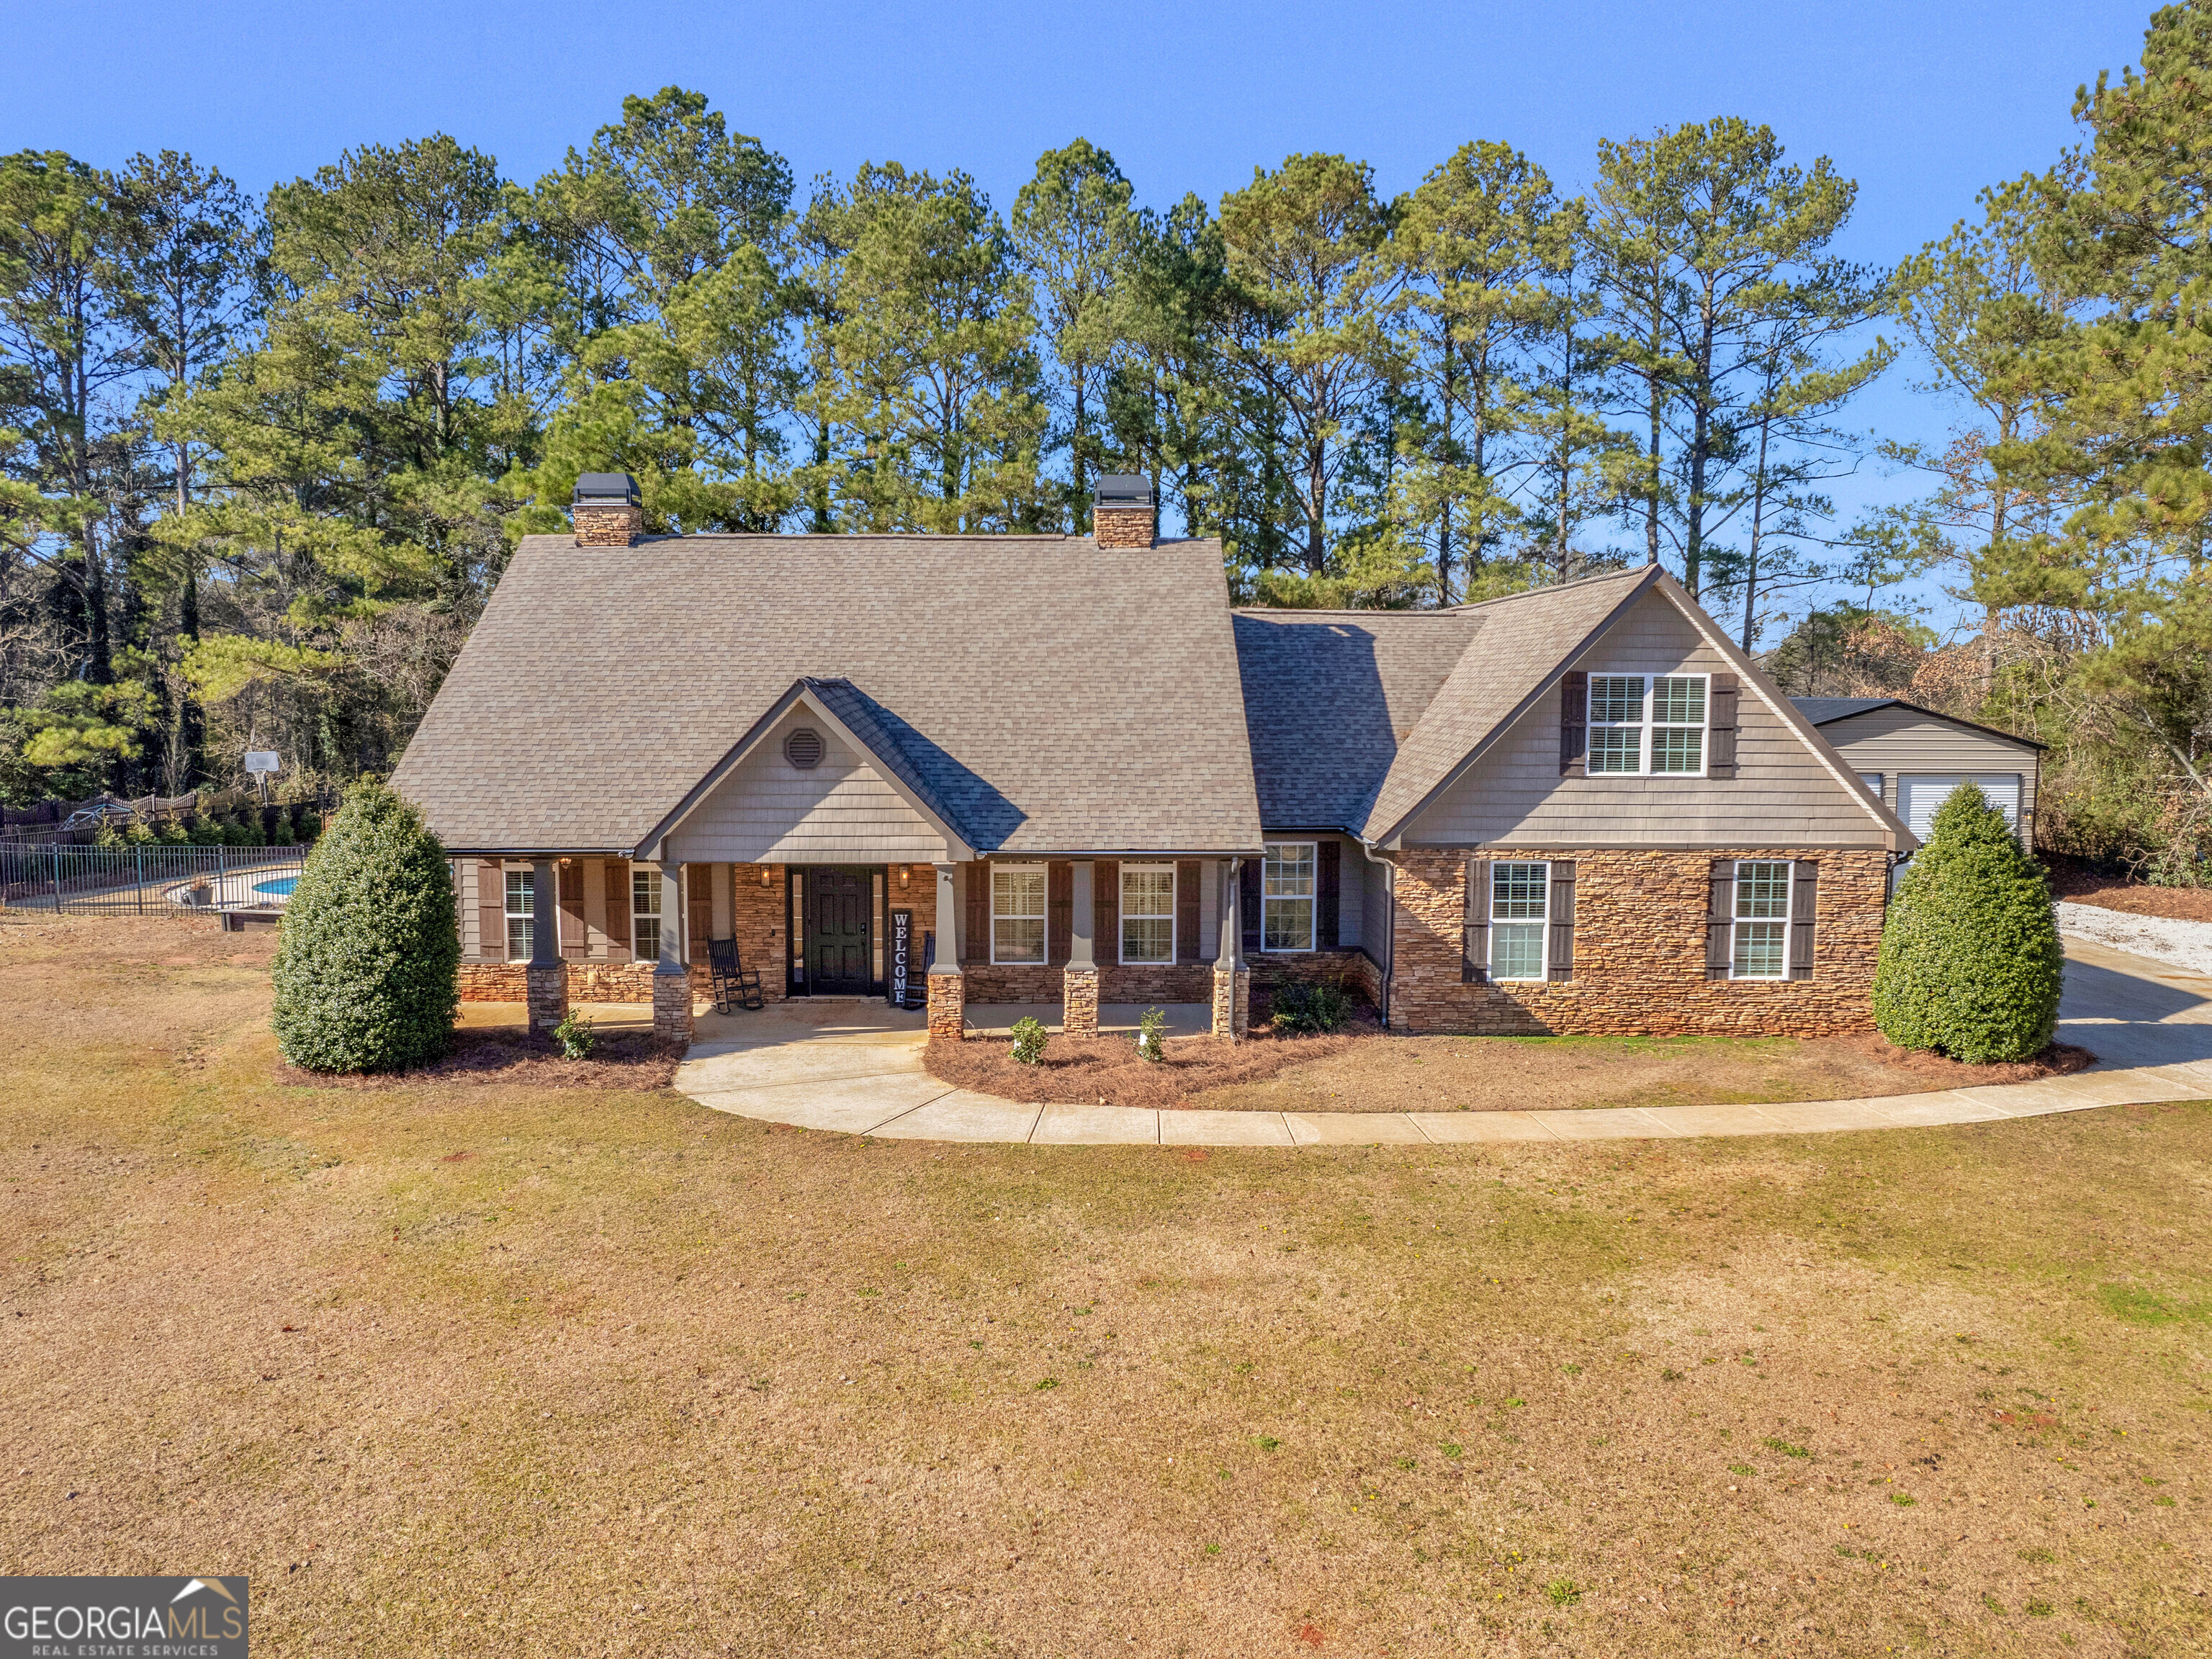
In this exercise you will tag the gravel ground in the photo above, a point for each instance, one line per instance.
(2166, 938)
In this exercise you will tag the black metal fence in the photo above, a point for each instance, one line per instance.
(151, 879)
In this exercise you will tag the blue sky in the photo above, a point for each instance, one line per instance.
(1923, 104)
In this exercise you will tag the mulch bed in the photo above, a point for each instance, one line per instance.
(1107, 1071)
(2078, 883)
(2057, 1060)
(636, 1060)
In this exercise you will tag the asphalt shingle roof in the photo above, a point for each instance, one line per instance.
(1329, 696)
(1053, 694)
(1523, 640)
(1821, 710)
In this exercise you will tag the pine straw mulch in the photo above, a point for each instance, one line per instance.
(2078, 882)
(2058, 1060)
(631, 1061)
(1108, 1072)
(1365, 1070)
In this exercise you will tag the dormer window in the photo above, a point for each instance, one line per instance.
(1648, 726)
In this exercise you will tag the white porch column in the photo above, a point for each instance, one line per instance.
(545, 981)
(1232, 979)
(671, 980)
(1078, 981)
(948, 986)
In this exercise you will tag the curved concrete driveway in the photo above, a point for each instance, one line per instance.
(856, 1068)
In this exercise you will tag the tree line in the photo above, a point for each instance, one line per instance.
(262, 461)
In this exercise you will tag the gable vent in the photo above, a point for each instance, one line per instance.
(802, 749)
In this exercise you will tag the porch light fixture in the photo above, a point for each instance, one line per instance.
(764, 875)
(905, 871)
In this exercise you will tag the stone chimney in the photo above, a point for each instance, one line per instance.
(606, 511)
(1124, 515)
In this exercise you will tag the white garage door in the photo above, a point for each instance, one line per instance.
(1918, 797)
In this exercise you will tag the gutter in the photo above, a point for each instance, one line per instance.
(1390, 924)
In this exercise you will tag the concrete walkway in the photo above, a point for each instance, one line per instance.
(855, 1068)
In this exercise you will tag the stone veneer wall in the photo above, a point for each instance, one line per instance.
(1639, 951)
(1166, 981)
(1349, 967)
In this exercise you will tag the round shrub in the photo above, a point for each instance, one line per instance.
(367, 975)
(1970, 961)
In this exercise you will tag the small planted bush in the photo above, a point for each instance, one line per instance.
(367, 963)
(1030, 1038)
(1971, 960)
(576, 1035)
(1303, 1009)
(1151, 1035)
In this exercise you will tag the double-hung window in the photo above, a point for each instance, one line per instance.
(521, 905)
(1519, 919)
(1648, 726)
(1018, 897)
(645, 912)
(1760, 949)
(1287, 897)
(1148, 905)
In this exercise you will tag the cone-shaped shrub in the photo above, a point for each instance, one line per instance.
(1970, 954)
(368, 963)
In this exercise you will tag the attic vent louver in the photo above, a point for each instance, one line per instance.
(802, 749)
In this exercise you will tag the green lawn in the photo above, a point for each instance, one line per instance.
(479, 1370)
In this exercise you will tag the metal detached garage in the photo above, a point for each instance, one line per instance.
(1912, 757)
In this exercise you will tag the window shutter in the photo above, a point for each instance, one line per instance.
(1562, 954)
(1474, 928)
(979, 912)
(1106, 910)
(1803, 891)
(1720, 920)
(1720, 735)
(572, 910)
(1574, 722)
(1247, 895)
(1185, 910)
(699, 906)
(1059, 912)
(618, 940)
(1328, 875)
(491, 911)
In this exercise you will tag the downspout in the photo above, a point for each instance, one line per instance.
(1389, 923)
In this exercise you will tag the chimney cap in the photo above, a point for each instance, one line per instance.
(594, 487)
(1124, 489)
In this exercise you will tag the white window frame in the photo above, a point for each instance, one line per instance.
(644, 878)
(1312, 895)
(1124, 915)
(1738, 922)
(1543, 923)
(1042, 918)
(1648, 728)
(527, 915)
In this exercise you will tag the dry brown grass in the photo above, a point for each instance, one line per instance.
(479, 1370)
(510, 1056)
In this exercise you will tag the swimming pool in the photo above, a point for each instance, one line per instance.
(278, 887)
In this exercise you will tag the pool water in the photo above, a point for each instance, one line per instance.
(277, 887)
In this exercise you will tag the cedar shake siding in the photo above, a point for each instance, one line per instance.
(1782, 794)
(1643, 942)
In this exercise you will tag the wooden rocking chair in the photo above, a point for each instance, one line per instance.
(735, 985)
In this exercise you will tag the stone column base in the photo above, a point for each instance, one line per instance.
(546, 995)
(672, 1006)
(948, 1007)
(1232, 1004)
(1079, 1002)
